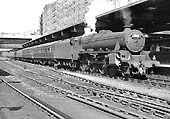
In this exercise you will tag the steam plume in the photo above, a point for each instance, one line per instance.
(127, 18)
(97, 7)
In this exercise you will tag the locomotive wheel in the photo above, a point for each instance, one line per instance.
(84, 67)
(92, 69)
(138, 75)
(102, 70)
(125, 69)
(143, 77)
(113, 71)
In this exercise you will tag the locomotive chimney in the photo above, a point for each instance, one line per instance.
(127, 28)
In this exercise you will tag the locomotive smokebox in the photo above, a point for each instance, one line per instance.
(134, 39)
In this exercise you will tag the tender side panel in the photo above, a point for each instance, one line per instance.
(62, 50)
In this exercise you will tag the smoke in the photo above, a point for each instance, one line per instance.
(126, 15)
(97, 7)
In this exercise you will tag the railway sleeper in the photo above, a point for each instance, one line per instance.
(134, 106)
(163, 85)
(117, 100)
(101, 95)
(105, 86)
(108, 87)
(154, 84)
(91, 100)
(146, 82)
(108, 97)
(123, 102)
(149, 111)
(160, 114)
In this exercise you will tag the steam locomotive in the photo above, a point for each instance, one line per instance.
(109, 53)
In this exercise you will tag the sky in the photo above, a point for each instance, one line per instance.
(20, 15)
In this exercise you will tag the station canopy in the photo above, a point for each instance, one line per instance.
(146, 15)
(13, 40)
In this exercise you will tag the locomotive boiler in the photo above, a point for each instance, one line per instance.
(132, 40)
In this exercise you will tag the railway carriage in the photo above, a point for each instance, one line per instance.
(18, 55)
(27, 54)
(58, 53)
(8, 54)
(43, 53)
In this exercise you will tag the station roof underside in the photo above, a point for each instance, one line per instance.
(146, 15)
(7, 40)
(72, 31)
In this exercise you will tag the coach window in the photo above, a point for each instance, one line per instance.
(45, 50)
(48, 50)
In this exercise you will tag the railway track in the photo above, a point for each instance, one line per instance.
(125, 97)
(156, 81)
(110, 99)
(159, 81)
(43, 86)
(121, 91)
(49, 110)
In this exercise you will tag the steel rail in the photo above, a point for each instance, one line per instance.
(122, 113)
(38, 103)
